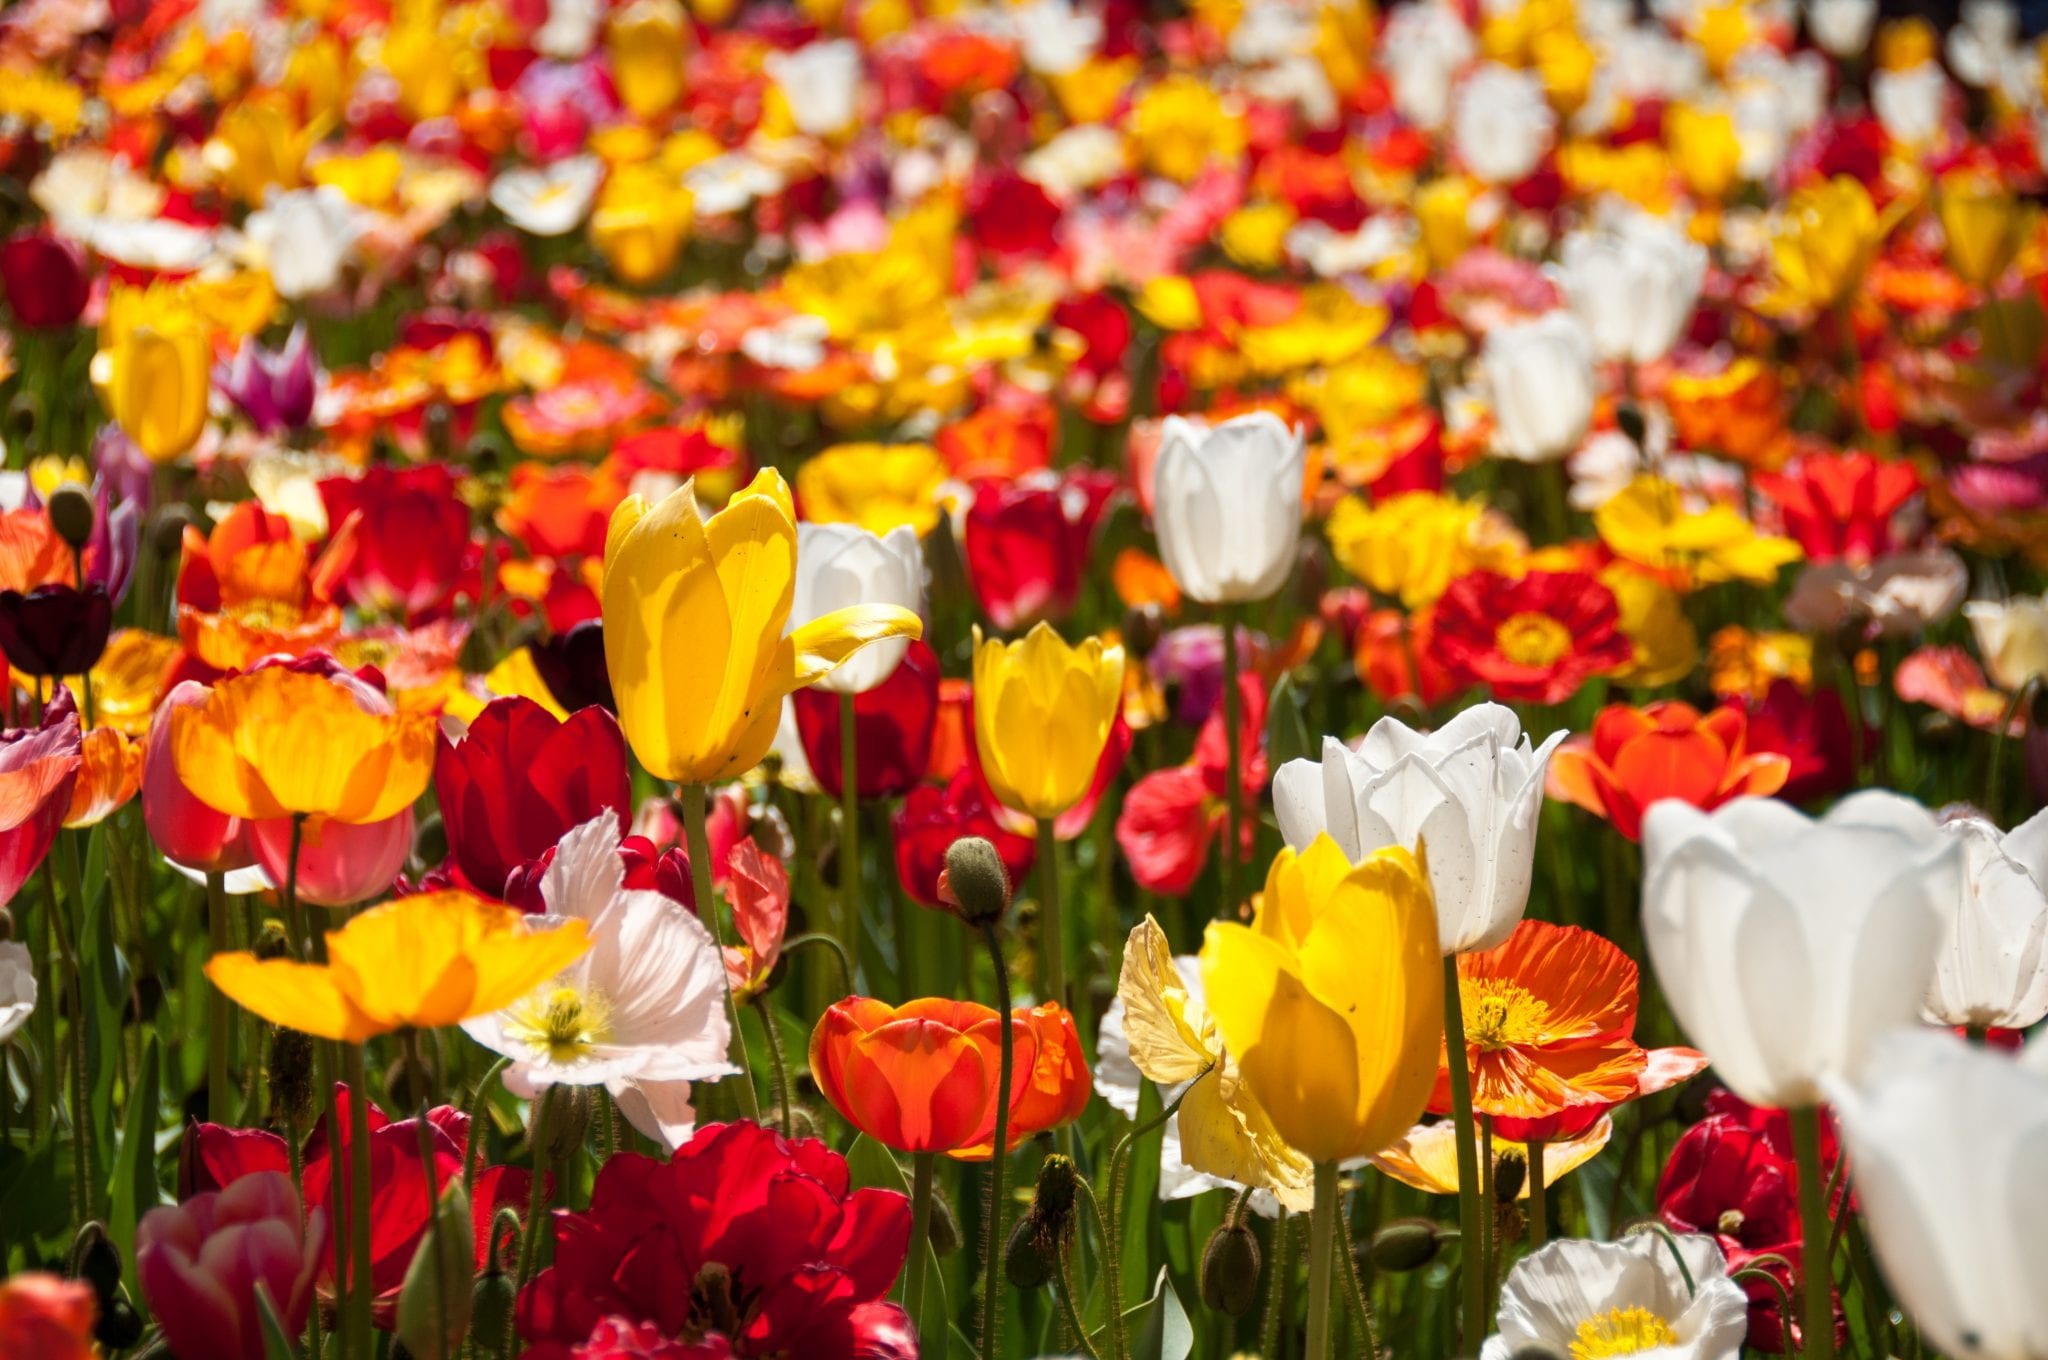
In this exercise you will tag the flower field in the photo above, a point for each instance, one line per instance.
(869, 679)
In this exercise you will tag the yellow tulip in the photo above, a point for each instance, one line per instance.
(694, 611)
(153, 371)
(1705, 148)
(876, 486)
(1826, 237)
(1443, 214)
(640, 221)
(1415, 544)
(1180, 127)
(420, 962)
(1042, 714)
(646, 43)
(1332, 999)
(277, 743)
(1984, 223)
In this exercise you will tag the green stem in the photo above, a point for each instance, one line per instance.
(536, 1209)
(220, 1011)
(1470, 1230)
(999, 1150)
(1276, 1289)
(360, 1288)
(1052, 937)
(409, 1041)
(849, 830)
(1322, 1224)
(1361, 1307)
(1817, 1315)
(821, 940)
(1233, 719)
(1539, 1197)
(920, 1235)
(473, 1154)
(1063, 1287)
(81, 1117)
(1489, 1206)
(1110, 1231)
(779, 1062)
(695, 799)
(1993, 784)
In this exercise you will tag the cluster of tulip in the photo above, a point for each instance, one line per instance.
(854, 679)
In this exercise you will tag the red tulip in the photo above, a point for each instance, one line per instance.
(38, 769)
(1170, 816)
(46, 279)
(340, 863)
(932, 818)
(47, 1317)
(892, 725)
(200, 1264)
(186, 830)
(1027, 542)
(411, 539)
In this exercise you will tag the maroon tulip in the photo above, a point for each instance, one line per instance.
(55, 630)
(571, 663)
(519, 781)
(200, 1264)
(932, 818)
(1026, 544)
(38, 770)
(411, 539)
(892, 728)
(46, 280)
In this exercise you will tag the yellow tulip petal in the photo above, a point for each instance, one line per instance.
(300, 996)
(818, 647)
(753, 544)
(666, 631)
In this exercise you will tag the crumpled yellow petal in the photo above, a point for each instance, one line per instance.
(1225, 1132)
(1427, 1157)
(1167, 1028)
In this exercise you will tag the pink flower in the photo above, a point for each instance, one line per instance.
(200, 1264)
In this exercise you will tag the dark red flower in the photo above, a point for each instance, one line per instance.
(46, 279)
(892, 728)
(932, 818)
(1840, 505)
(411, 541)
(55, 630)
(519, 781)
(1812, 732)
(1170, 816)
(1027, 542)
(744, 1238)
(1534, 638)
(572, 664)
(1011, 215)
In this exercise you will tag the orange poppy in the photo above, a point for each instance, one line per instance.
(1055, 1091)
(109, 773)
(919, 1077)
(1665, 750)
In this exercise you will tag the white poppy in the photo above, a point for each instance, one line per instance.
(549, 200)
(1635, 1296)
(17, 987)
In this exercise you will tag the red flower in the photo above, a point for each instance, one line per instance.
(1840, 505)
(932, 818)
(46, 280)
(38, 770)
(216, 1156)
(201, 1262)
(892, 728)
(1536, 638)
(1667, 749)
(411, 541)
(1026, 544)
(1812, 732)
(1011, 215)
(519, 781)
(744, 1244)
(1170, 816)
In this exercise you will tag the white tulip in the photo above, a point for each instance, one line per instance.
(1057, 38)
(821, 83)
(839, 565)
(1910, 103)
(550, 200)
(1993, 965)
(1226, 503)
(1424, 48)
(1501, 123)
(642, 1014)
(1577, 1297)
(1541, 376)
(1841, 28)
(2012, 637)
(1634, 284)
(305, 235)
(1979, 48)
(570, 31)
(1785, 945)
(1472, 790)
(17, 987)
(1949, 1149)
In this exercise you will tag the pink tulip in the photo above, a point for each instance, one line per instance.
(186, 830)
(339, 864)
(200, 1264)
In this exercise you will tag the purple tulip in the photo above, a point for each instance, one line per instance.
(274, 388)
(201, 1263)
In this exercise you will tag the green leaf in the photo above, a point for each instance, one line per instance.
(870, 1165)
(434, 1303)
(276, 1345)
(134, 1189)
(1287, 735)
(1141, 1200)
(1159, 1328)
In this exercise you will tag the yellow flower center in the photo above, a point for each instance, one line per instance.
(1501, 1014)
(1621, 1331)
(560, 1024)
(1730, 1222)
(1532, 639)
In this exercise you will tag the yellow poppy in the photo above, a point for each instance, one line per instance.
(694, 611)
(1427, 1157)
(420, 962)
(1648, 523)
(1042, 714)
(1332, 999)
(109, 773)
(876, 486)
(1415, 544)
(1826, 237)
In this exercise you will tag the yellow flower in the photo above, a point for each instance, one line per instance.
(259, 145)
(645, 39)
(1181, 127)
(1742, 664)
(694, 611)
(1427, 1158)
(1255, 236)
(1443, 215)
(278, 743)
(370, 177)
(421, 962)
(1984, 223)
(640, 221)
(1223, 1130)
(153, 370)
(1332, 999)
(1705, 148)
(109, 773)
(1412, 546)
(1331, 327)
(1653, 618)
(876, 486)
(1647, 523)
(128, 678)
(1826, 236)
(1042, 714)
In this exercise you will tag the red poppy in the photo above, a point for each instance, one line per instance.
(216, 1156)
(519, 781)
(932, 818)
(410, 542)
(744, 1244)
(45, 278)
(892, 727)
(1169, 817)
(1027, 543)
(1812, 732)
(1011, 215)
(1535, 638)
(1840, 505)
(38, 771)
(1665, 750)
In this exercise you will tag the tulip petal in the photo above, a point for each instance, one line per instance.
(822, 644)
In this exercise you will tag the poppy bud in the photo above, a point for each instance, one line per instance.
(1405, 1244)
(944, 1228)
(491, 1301)
(1142, 626)
(119, 1326)
(976, 882)
(1028, 1258)
(434, 1309)
(560, 1118)
(1510, 1174)
(71, 514)
(94, 1260)
(271, 941)
(1629, 417)
(1054, 1200)
(1230, 1269)
(291, 1077)
(167, 525)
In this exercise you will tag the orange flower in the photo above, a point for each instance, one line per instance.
(252, 588)
(109, 773)
(1739, 411)
(918, 1077)
(1056, 1089)
(561, 510)
(31, 554)
(46, 1317)
(1666, 750)
(1141, 579)
(1550, 1015)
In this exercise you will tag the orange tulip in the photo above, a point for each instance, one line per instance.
(1055, 1090)
(919, 1077)
(1665, 750)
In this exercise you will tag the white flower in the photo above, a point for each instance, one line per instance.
(1541, 376)
(1841, 28)
(821, 83)
(1634, 284)
(1576, 1297)
(838, 565)
(795, 343)
(155, 244)
(548, 200)
(1472, 790)
(1950, 1149)
(1057, 38)
(1502, 124)
(1980, 47)
(1226, 503)
(2012, 637)
(570, 30)
(726, 184)
(17, 988)
(642, 1014)
(1897, 596)
(1910, 103)
(1424, 47)
(1993, 965)
(304, 236)
(1076, 159)
(1785, 945)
